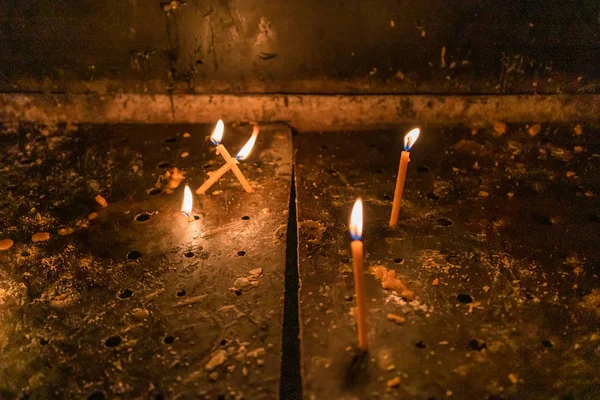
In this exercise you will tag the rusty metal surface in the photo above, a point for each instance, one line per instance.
(136, 301)
(498, 239)
(234, 46)
(303, 112)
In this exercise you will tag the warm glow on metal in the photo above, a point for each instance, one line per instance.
(245, 151)
(411, 138)
(186, 208)
(217, 134)
(356, 220)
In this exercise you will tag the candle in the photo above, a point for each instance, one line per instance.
(233, 165)
(356, 223)
(230, 162)
(409, 140)
(215, 176)
(186, 207)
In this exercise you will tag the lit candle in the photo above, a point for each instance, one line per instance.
(409, 140)
(231, 162)
(356, 223)
(186, 207)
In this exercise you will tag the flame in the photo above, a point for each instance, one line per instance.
(356, 220)
(186, 208)
(411, 138)
(245, 151)
(217, 134)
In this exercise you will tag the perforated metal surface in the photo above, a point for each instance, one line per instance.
(498, 238)
(137, 301)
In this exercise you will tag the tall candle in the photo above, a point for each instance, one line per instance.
(409, 140)
(356, 223)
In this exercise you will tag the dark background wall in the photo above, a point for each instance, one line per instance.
(312, 46)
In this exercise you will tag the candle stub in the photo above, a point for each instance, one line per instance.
(40, 237)
(101, 200)
(396, 318)
(65, 231)
(6, 244)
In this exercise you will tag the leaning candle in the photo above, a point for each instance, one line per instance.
(223, 152)
(231, 162)
(233, 165)
(409, 140)
(356, 223)
(215, 176)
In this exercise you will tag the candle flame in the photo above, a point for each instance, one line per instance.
(411, 138)
(245, 151)
(356, 220)
(186, 208)
(217, 134)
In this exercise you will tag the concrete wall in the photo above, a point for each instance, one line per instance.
(309, 46)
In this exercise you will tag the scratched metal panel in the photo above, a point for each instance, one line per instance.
(135, 302)
(497, 238)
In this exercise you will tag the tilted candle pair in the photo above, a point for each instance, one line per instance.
(230, 162)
